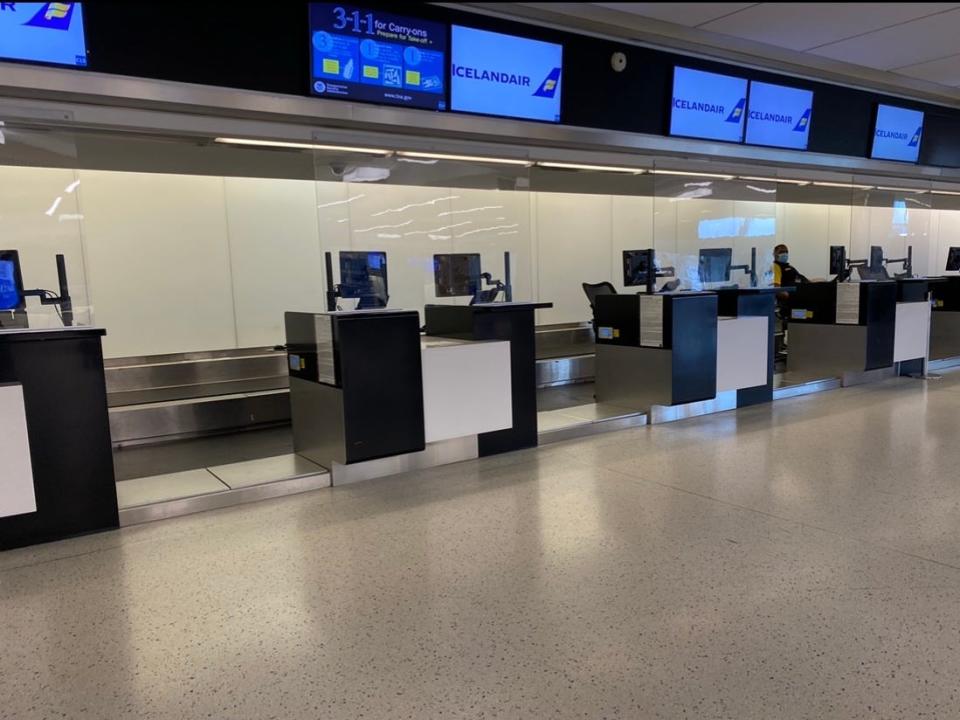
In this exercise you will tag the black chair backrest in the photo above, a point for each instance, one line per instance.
(592, 290)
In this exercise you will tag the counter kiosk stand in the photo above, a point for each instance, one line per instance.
(56, 469)
(842, 330)
(945, 320)
(656, 349)
(741, 337)
(506, 321)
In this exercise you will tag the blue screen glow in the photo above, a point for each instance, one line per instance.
(362, 54)
(10, 298)
(707, 105)
(779, 116)
(43, 32)
(897, 134)
(496, 74)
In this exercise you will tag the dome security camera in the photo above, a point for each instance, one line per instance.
(618, 61)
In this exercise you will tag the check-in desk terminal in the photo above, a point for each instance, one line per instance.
(945, 320)
(745, 343)
(513, 322)
(355, 385)
(836, 329)
(656, 349)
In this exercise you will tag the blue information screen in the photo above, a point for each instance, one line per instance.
(779, 116)
(707, 105)
(897, 134)
(362, 54)
(43, 32)
(10, 297)
(496, 74)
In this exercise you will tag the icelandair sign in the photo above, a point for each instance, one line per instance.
(779, 116)
(707, 105)
(496, 74)
(897, 134)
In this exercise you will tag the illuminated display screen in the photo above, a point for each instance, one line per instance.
(706, 105)
(361, 54)
(897, 134)
(43, 32)
(496, 74)
(779, 116)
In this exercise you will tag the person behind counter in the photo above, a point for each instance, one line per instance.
(785, 274)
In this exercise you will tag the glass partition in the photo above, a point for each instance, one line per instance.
(40, 219)
(178, 245)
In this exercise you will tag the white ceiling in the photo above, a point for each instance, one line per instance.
(917, 40)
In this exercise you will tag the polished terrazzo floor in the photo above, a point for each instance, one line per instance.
(794, 561)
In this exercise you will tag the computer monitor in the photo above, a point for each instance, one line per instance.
(363, 275)
(715, 264)
(953, 259)
(11, 281)
(456, 274)
(636, 267)
(838, 260)
(876, 258)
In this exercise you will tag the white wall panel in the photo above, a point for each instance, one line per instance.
(574, 246)
(159, 262)
(275, 255)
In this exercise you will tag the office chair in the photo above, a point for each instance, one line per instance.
(594, 290)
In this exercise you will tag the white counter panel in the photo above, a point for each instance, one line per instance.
(911, 338)
(743, 345)
(466, 388)
(16, 480)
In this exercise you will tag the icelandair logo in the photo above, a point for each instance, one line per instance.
(801, 125)
(914, 139)
(735, 115)
(495, 76)
(53, 16)
(548, 88)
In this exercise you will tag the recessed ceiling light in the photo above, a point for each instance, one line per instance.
(692, 174)
(851, 186)
(901, 189)
(301, 146)
(463, 158)
(774, 180)
(945, 192)
(598, 168)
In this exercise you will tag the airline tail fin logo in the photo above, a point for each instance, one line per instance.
(548, 88)
(736, 115)
(804, 122)
(53, 16)
(915, 140)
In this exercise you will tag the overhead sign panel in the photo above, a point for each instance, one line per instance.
(707, 105)
(43, 32)
(496, 74)
(897, 134)
(779, 116)
(362, 54)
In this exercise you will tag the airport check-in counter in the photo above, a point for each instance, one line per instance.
(911, 344)
(945, 319)
(56, 462)
(370, 396)
(515, 324)
(841, 329)
(745, 343)
(656, 350)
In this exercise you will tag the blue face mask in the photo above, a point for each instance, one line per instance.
(783, 258)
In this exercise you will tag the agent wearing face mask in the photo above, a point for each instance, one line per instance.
(785, 274)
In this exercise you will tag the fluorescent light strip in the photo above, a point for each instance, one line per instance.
(599, 168)
(945, 192)
(849, 186)
(692, 174)
(301, 146)
(901, 189)
(774, 180)
(464, 158)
